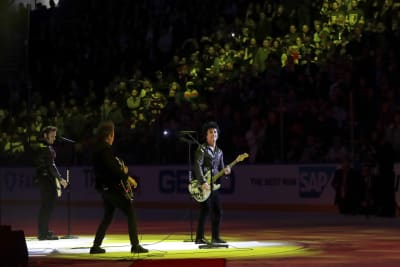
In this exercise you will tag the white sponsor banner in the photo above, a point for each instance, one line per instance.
(282, 184)
(248, 184)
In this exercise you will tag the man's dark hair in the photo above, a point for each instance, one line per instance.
(104, 129)
(48, 129)
(207, 126)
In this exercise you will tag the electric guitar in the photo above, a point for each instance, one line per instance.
(201, 195)
(125, 186)
(58, 184)
(58, 187)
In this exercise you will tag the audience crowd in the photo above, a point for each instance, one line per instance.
(288, 81)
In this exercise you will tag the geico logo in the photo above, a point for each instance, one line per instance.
(173, 181)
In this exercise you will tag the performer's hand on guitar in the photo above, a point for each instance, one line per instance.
(205, 186)
(125, 169)
(63, 182)
(227, 170)
(132, 182)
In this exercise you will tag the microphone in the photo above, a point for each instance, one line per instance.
(185, 139)
(66, 139)
(186, 136)
(187, 132)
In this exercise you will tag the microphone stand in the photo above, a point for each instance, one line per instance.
(68, 191)
(189, 139)
(68, 235)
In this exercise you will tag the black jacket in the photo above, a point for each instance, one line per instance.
(206, 160)
(107, 170)
(46, 169)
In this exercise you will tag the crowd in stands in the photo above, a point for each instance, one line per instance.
(287, 81)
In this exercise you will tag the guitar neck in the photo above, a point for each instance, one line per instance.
(221, 172)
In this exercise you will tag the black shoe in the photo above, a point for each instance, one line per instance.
(138, 249)
(97, 250)
(48, 237)
(201, 241)
(218, 240)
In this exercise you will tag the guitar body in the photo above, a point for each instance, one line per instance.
(201, 195)
(58, 184)
(58, 187)
(125, 188)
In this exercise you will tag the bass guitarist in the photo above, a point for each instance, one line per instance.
(209, 158)
(110, 178)
(49, 181)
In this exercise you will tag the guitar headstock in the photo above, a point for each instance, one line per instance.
(241, 157)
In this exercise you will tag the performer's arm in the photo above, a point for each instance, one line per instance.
(198, 165)
(227, 169)
(45, 164)
(56, 173)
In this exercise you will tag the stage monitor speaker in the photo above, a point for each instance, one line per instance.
(13, 249)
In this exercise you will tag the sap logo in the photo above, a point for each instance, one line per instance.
(176, 181)
(313, 180)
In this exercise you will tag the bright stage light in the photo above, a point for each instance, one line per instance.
(173, 248)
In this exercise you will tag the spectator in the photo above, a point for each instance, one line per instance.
(347, 185)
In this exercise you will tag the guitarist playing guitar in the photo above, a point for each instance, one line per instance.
(110, 174)
(49, 181)
(209, 157)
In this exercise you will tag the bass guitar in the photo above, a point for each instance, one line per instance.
(125, 187)
(58, 187)
(58, 184)
(201, 195)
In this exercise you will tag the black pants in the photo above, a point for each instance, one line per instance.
(210, 206)
(111, 201)
(48, 198)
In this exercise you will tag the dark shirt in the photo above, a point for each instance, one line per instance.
(107, 170)
(46, 169)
